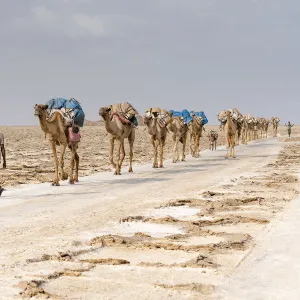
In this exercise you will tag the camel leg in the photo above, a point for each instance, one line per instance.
(161, 154)
(192, 144)
(232, 150)
(175, 149)
(122, 155)
(131, 139)
(55, 160)
(76, 166)
(118, 168)
(63, 174)
(183, 148)
(72, 164)
(4, 156)
(111, 151)
(232, 145)
(153, 142)
(227, 146)
(198, 146)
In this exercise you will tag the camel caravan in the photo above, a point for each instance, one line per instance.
(61, 119)
(244, 127)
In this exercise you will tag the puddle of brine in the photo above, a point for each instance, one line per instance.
(177, 212)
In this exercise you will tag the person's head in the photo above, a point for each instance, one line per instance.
(289, 122)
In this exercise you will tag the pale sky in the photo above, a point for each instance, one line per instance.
(195, 54)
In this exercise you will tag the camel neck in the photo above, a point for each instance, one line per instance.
(43, 122)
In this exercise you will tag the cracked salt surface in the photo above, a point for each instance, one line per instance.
(154, 230)
(177, 212)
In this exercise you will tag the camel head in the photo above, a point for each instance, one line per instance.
(228, 113)
(39, 109)
(104, 113)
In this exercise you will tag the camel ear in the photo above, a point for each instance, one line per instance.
(46, 106)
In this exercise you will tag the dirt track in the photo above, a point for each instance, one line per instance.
(175, 233)
(29, 159)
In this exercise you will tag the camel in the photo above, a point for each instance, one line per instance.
(239, 122)
(2, 150)
(251, 127)
(179, 130)
(119, 129)
(213, 138)
(230, 129)
(56, 133)
(195, 128)
(157, 121)
(266, 127)
(275, 121)
(244, 132)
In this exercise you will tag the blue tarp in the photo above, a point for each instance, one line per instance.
(202, 115)
(72, 105)
(185, 115)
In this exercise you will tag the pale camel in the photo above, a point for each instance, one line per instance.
(180, 131)
(213, 138)
(250, 127)
(156, 121)
(56, 133)
(239, 122)
(244, 132)
(119, 129)
(230, 129)
(3, 152)
(266, 127)
(259, 128)
(275, 121)
(195, 128)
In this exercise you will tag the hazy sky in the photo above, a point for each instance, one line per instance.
(196, 54)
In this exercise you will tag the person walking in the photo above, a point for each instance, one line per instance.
(289, 128)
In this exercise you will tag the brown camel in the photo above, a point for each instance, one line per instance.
(266, 127)
(230, 129)
(238, 117)
(157, 121)
(244, 132)
(119, 129)
(195, 129)
(179, 130)
(275, 121)
(57, 134)
(2, 150)
(213, 138)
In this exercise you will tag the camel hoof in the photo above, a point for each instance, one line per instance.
(55, 184)
(161, 166)
(130, 171)
(71, 181)
(4, 166)
(154, 166)
(76, 180)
